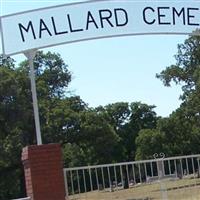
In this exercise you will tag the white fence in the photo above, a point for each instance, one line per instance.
(113, 177)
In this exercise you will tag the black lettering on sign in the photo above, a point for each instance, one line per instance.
(122, 11)
(90, 19)
(190, 16)
(70, 25)
(43, 27)
(175, 13)
(55, 29)
(162, 15)
(145, 15)
(26, 29)
(105, 17)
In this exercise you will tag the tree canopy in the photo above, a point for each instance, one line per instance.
(117, 132)
(180, 132)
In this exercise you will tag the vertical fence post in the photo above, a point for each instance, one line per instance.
(115, 174)
(77, 174)
(198, 167)
(103, 178)
(169, 166)
(91, 183)
(187, 166)
(122, 178)
(161, 173)
(97, 179)
(85, 187)
(140, 172)
(65, 181)
(175, 166)
(151, 169)
(72, 182)
(127, 173)
(133, 168)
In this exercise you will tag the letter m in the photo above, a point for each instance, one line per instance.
(26, 29)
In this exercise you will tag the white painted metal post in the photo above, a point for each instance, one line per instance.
(175, 168)
(90, 175)
(115, 174)
(72, 182)
(66, 183)
(145, 170)
(169, 166)
(84, 181)
(122, 179)
(79, 190)
(109, 179)
(182, 173)
(161, 173)
(30, 56)
(127, 173)
(163, 167)
(97, 178)
(151, 169)
(193, 169)
(198, 167)
(103, 178)
(140, 173)
(134, 173)
(188, 172)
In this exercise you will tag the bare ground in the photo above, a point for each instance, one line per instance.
(184, 189)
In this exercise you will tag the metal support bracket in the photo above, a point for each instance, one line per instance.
(30, 56)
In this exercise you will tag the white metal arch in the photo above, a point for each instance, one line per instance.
(25, 32)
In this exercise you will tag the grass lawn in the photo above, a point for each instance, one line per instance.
(184, 189)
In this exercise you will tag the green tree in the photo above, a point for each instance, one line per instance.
(97, 138)
(187, 69)
(117, 115)
(16, 113)
(10, 132)
(183, 126)
(149, 142)
(142, 117)
(86, 136)
(127, 120)
(181, 133)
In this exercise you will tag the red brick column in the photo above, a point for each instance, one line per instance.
(43, 169)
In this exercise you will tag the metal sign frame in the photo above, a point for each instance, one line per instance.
(118, 34)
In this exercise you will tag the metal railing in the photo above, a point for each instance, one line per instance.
(112, 177)
(26, 198)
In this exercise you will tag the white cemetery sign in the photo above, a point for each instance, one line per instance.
(75, 22)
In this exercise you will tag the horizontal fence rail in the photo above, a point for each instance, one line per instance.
(118, 176)
(26, 198)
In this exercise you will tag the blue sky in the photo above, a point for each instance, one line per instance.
(117, 69)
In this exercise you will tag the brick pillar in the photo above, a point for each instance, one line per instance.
(43, 169)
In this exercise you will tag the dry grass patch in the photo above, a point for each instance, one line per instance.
(184, 189)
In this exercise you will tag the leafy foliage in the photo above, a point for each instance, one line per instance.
(182, 128)
(117, 132)
(155, 141)
(187, 69)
